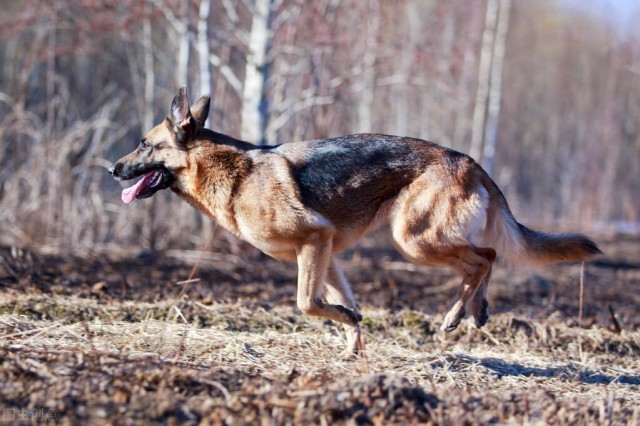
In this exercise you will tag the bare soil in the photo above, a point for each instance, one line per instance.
(121, 338)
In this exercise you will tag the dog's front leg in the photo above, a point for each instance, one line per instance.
(338, 291)
(314, 258)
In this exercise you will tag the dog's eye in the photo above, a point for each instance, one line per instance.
(144, 145)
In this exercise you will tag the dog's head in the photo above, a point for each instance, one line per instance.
(162, 152)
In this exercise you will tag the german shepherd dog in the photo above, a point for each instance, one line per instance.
(306, 201)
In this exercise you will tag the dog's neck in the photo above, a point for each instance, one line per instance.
(211, 179)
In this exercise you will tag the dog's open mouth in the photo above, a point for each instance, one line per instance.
(145, 187)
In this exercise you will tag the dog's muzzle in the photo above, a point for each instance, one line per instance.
(115, 171)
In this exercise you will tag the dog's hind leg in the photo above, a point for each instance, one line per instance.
(479, 303)
(474, 264)
(314, 260)
(338, 291)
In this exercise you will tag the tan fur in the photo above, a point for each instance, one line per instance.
(441, 207)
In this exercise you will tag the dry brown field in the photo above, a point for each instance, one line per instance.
(121, 338)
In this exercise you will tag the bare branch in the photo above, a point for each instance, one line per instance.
(178, 24)
(230, 11)
(227, 73)
(276, 5)
(289, 112)
(284, 15)
(484, 74)
(395, 79)
(250, 5)
(289, 50)
(242, 36)
(203, 46)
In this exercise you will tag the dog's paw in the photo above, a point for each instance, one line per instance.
(481, 315)
(452, 320)
(353, 316)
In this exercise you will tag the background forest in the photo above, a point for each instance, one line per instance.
(544, 93)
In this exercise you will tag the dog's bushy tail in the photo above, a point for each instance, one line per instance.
(547, 248)
(518, 244)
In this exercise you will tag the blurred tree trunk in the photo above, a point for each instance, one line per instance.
(182, 70)
(365, 107)
(402, 92)
(182, 34)
(484, 75)
(435, 118)
(254, 103)
(54, 198)
(610, 130)
(465, 40)
(149, 71)
(495, 89)
(148, 116)
(204, 80)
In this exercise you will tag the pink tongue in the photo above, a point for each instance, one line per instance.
(130, 194)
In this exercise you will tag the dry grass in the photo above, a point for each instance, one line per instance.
(101, 351)
(143, 362)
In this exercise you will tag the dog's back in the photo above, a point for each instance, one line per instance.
(349, 179)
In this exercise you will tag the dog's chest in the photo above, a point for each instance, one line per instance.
(278, 248)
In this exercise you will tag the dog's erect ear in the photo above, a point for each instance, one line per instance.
(200, 110)
(180, 113)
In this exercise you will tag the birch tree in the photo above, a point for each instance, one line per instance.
(484, 75)
(149, 70)
(204, 77)
(495, 88)
(368, 75)
(260, 118)
(251, 90)
(254, 106)
(402, 92)
(181, 34)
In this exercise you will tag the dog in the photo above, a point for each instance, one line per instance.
(306, 201)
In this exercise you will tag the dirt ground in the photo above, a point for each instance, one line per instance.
(127, 338)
